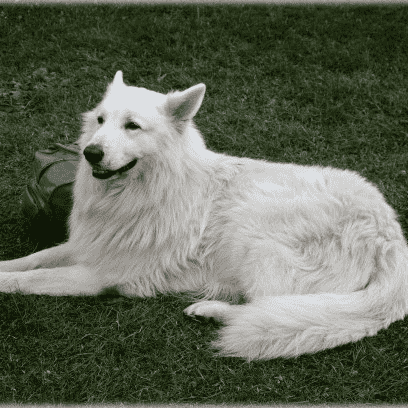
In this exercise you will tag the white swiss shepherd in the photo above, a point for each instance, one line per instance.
(317, 253)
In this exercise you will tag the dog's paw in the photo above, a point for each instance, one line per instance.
(209, 309)
(13, 265)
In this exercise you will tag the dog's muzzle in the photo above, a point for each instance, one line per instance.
(94, 155)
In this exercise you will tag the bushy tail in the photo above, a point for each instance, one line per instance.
(287, 326)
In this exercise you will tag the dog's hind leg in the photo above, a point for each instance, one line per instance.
(58, 256)
(61, 281)
(212, 309)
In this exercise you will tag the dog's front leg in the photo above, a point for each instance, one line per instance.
(68, 280)
(60, 255)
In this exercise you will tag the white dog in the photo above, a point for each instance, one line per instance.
(317, 253)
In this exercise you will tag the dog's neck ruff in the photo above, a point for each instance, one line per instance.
(105, 174)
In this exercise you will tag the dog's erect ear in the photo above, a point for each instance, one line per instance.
(184, 105)
(118, 80)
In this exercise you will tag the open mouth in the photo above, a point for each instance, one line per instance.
(105, 174)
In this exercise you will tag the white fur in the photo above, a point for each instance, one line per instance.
(317, 253)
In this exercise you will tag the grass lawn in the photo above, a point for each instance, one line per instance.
(303, 84)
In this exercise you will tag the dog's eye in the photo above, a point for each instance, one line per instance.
(100, 120)
(132, 126)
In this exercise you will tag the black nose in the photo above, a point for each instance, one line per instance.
(93, 153)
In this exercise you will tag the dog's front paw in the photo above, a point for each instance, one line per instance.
(8, 266)
(209, 309)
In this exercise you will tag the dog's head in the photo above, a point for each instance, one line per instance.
(132, 123)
